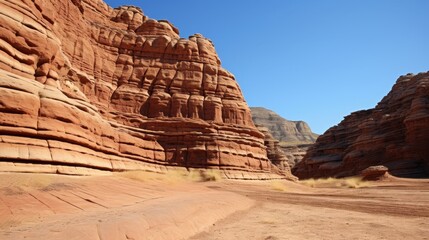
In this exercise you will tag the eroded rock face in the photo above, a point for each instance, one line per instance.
(276, 155)
(85, 85)
(394, 134)
(282, 129)
(295, 137)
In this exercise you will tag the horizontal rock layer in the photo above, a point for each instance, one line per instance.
(276, 155)
(85, 85)
(394, 134)
(295, 137)
(286, 131)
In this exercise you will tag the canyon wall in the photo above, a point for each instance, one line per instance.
(84, 87)
(294, 137)
(394, 134)
(276, 155)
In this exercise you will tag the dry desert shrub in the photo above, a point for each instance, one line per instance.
(140, 175)
(193, 175)
(349, 182)
(356, 182)
(269, 220)
(277, 186)
(206, 175)
(175, 175)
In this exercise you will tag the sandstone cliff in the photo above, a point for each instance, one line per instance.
(87, 87)
(295, 137)
(276, 155)
(395, 134)
(292, 132)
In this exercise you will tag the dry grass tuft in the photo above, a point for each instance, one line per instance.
(278, 186)
(141, 176)
(19, 183)
(355, 182)
(269, 221)
(206, 175)
(349, 182)
(175, 176)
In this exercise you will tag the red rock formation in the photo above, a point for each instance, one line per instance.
(85, 85)
(394, 134)
(374, 173)
(276, 155)
(295, 137)
(286, 131)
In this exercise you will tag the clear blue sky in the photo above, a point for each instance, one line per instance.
(315, 61)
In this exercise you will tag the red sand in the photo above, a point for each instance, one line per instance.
(36, 206)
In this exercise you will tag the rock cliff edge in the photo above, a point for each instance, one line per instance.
(394, 134)
(85, 87)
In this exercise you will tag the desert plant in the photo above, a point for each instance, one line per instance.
(137, 175)
(349, 182)
(174, 175)
(23, 182)
(277, 186)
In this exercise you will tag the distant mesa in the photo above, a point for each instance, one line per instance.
(294, 137)
(393, 135)
(282, 129)
(86, 88)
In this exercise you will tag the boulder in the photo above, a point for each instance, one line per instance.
(374, 173)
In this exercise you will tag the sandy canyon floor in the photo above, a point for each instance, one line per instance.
(151, 206)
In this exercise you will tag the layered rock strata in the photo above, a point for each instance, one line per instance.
(84, 86)
(394, 134)
(282, 129)
(275, 154)
(295, 152)
(294, 137)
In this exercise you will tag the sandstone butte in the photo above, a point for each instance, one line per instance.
(85, 88)
(293, 137)
(274, 152)
(394, 134)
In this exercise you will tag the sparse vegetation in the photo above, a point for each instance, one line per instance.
(207, 175)
(19, 183)
(349, 182)
(141, 176)
(269, 221)
(278, 185)
(174, 176)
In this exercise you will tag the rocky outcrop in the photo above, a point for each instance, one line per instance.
(374, 173)
(282, 129)
(295, 153)
(295, 137)
(394, 134)
(276, 155)
(84, 86)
